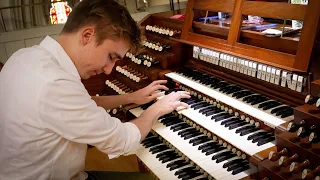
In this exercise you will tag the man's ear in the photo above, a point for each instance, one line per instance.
(87, 35)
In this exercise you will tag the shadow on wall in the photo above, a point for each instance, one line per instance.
(1, 65)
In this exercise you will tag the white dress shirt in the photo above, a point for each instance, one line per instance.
(47, 118)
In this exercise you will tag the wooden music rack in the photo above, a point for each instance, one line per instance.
(297, 59)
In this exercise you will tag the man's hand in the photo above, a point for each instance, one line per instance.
(147, 94)
(170, 102)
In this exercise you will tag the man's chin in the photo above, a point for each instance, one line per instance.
(86, 77)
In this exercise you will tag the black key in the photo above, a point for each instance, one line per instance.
(158, 149)
(146, 140)
(235, 166)
(164, 154)
(194, 103)
(187, 131)
(177, 164)
(182, 170)
(265, 141)
(243, 94)
(189, 174)
(166, 116)
(179, 126)
(220, 117)
(208, 148)
(248, 131)
(223, 158)
(200, 106)
(173, 122)
(240, 169)
(213, 112)
(244, 128)
(273, 105)
(261, 137)
(149, 135)
(170, 158)
(198, 138)
(259, 100)
(246, 99)
(206, 109)
(254, 98)
(289, 109)
(287, 113)
(237, 124)
(221, 154)
(169, 119)
(252, 136)
(198, 103)
(150, 144)
(192, 135)
(235, 89)
(226, 88)
(268, 104)
(211, 151)
(275, 110)
(235, 161)
(200, 141)
(282, 111)
(192, 175)
(228, 121)
(208, 145)
(191, 101)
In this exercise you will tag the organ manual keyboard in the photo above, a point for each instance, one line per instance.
(255, 99)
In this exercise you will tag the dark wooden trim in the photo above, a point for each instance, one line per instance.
(236, 23)
(188, 20)
(308, 35)
(215, 5)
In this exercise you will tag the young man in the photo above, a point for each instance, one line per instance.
(47, 116)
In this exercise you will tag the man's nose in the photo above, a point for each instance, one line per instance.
(107, 69)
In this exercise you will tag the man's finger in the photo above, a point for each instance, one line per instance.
(181, 104)
(154, 96)
(160, 87)
(182, 94)
(159, 82)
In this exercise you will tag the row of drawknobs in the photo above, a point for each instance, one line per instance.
(131, 73)
(303, 131)
(143, 59)
(163, 30)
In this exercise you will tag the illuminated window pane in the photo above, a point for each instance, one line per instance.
(59, 12)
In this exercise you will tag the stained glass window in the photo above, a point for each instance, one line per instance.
(59, 12)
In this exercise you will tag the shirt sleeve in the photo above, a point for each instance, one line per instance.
(66, 108)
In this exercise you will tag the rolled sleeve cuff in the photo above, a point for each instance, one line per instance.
(133, 140)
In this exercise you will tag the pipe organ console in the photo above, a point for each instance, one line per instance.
(255, 106)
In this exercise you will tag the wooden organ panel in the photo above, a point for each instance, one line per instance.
(255, 99)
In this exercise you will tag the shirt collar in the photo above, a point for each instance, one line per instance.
(61, 56)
